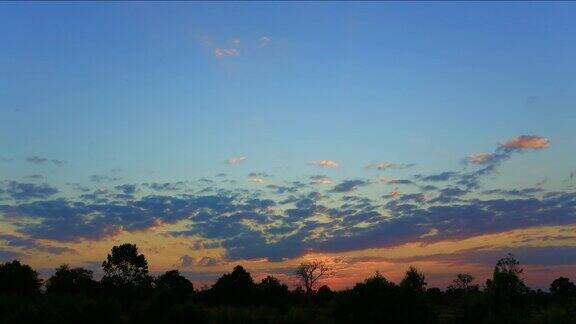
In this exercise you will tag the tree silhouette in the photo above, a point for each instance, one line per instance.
(310, 272)
(413, 281)
(174, 284)
(124, 267)
(235, 288)
(563, 288)
(506, 292)
(72, 281)
(463, 283)
(509, 265)
(18, 278)
(272, 291)
(506, 281)
(128, 296)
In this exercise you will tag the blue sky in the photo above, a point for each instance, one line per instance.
(147, 92)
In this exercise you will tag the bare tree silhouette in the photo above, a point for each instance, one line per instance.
(310, 272)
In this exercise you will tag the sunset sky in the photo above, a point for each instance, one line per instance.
(371, 135)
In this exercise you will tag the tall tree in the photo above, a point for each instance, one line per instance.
(506, 280)
(235, 288)
(309, 273)
(125, 267)
(413, 281)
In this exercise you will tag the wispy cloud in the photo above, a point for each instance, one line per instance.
(505, 150)
(36, 160)
(235, 160)
(42, 160)
(187, 261)
(478, 158)
(103, 178)
(265, 40)
(385, 165)
(220, 52)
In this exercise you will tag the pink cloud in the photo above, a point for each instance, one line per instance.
(526, 142)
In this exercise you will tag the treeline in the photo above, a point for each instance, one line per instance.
(127, 293)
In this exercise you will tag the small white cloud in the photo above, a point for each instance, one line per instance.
(265, 40)
(235, 160)
(326, 163)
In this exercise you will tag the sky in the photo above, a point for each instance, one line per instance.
(371, 135)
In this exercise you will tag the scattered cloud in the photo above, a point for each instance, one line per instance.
(235, 160)
(127, 189)
(399, 181)
(25, 191)
(289, 227)
(103, 178)
(36, 160)
(320, 180)
(349, 185)
(258, 177)
(165, 186)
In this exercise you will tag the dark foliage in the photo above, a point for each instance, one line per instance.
(71, 281)
(129, 294)
(126, 269)
(18, 279)
(236, 288)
